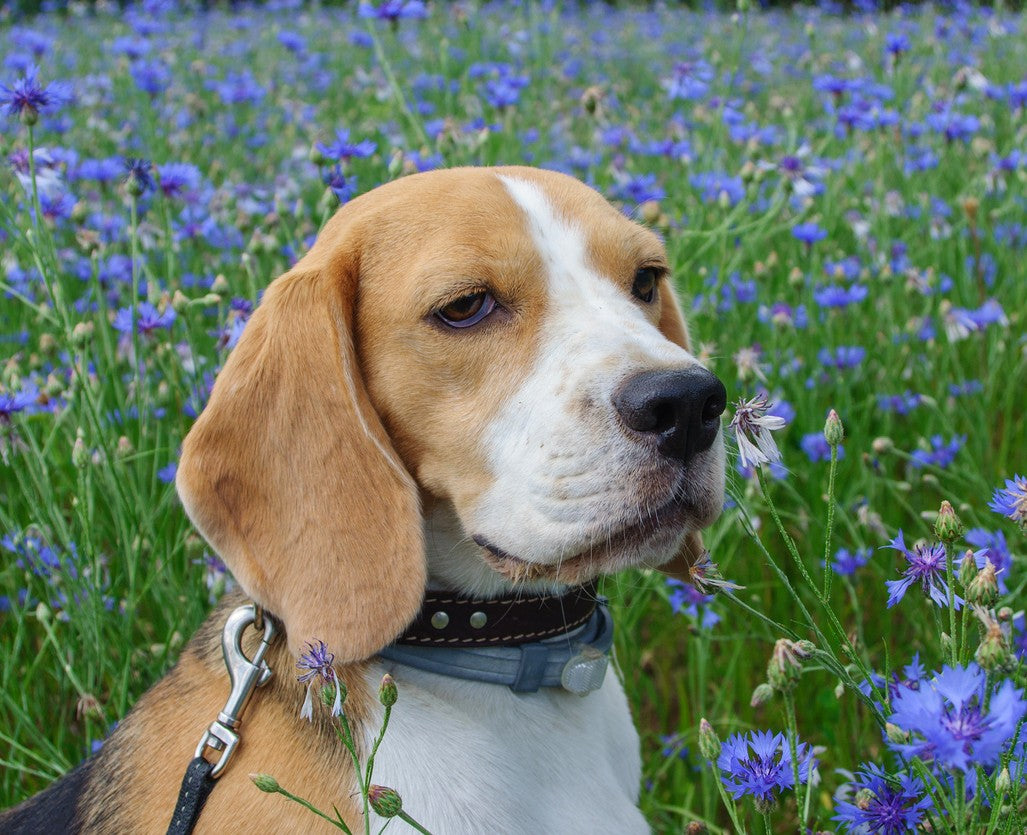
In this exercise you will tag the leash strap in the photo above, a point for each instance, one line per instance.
(196, 787)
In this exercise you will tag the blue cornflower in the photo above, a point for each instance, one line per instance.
(640, 189)
(138, 175)
(147, 319)
(717, 186)
(896, 44)
(343, 187)
(674, 746)
(817, 448)
(394, 10)
(953, 125)
(967, 388)
(11, 402)
(27, 98)
(883, 803)
(1011, 500)
(845, 356)
(343, 149)
(941, 454)
(846, 563)
(809, 233)
(992, 547)
(316, 664)
(836, 295)
(955, 721)
(760, 764)
(900, 404)
(690, 81)
(687, 599)
(178, 178)
(926, 566)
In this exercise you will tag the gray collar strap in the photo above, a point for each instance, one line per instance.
(576, 660)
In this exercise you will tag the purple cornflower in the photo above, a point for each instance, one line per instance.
(316, 664)
(838, 295)
(760, 764)
(394, 10)
(690, 81)
(147, 319)
(1011, 500)
(889, 804)
(809, 233)
(817, 448)
(27, 98)
(955, 721)
(896, 43)
(343, 149)
(847, 563)
(926, 566)
(753, 424)
(941, 453)
(342, 186)
(687, 599)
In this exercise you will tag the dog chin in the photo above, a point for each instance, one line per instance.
(636, 545)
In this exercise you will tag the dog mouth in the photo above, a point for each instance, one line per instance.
(623, 547)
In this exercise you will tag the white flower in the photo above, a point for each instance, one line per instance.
(752, 427)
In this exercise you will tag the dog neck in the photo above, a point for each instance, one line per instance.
(455, 562)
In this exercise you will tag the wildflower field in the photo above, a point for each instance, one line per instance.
(843, 194)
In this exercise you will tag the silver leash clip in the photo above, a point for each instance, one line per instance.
(246, 675)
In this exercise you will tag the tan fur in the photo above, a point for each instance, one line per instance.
(136, 779)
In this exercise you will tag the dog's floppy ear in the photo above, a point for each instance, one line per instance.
(672, 325)
(290, 476)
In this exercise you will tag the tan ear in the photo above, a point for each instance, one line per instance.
(673, 326)
(291, 477)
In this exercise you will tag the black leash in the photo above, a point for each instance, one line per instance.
(196, 786)
(246, 676)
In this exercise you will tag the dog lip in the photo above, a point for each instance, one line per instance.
(667, 514)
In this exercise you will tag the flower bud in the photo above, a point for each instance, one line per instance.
(895, 734)
(970, 207)
(220, 284)
(992, 653)
(696, 828)
(765, 805)
(387, 692)
(833, 429)
(785, 664)
(882, 445)
(864, 799)
(948, 527)
(649, 212)
(124, 448)
(967, 569)
(79, 453)
(81, 334)
(265, 782)
(761, 695)
(385, 801)
(1003, 783)
(316, 156)
(709, 742)
(983, 589)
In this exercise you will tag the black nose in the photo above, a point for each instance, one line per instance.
(680, 409)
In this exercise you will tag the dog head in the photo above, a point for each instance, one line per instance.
(493, 358)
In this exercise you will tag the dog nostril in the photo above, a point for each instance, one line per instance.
(714, 408)
(665, 417)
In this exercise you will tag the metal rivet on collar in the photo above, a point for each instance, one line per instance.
(479, 619)
(440, 620)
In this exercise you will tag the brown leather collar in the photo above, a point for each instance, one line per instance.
(451, 620)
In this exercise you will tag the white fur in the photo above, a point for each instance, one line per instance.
(470, 758)
(567, 476)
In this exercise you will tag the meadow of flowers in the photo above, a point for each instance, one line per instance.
(843, 194)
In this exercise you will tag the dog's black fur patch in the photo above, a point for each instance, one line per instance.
(55, 809)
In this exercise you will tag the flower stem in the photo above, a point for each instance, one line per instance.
(830, 525)
(950, 581)
(793, 735)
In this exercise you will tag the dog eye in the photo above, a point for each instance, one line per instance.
(644, 286)
(467, 310)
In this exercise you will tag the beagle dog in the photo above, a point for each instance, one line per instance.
(478, 382)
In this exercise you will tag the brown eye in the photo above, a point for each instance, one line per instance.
(467, 310)
(644, 287)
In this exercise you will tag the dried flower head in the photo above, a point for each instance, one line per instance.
(753, 426)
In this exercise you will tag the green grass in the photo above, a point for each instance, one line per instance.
(84, 636)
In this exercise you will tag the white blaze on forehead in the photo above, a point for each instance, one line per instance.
(581, 299)
(564, 469)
